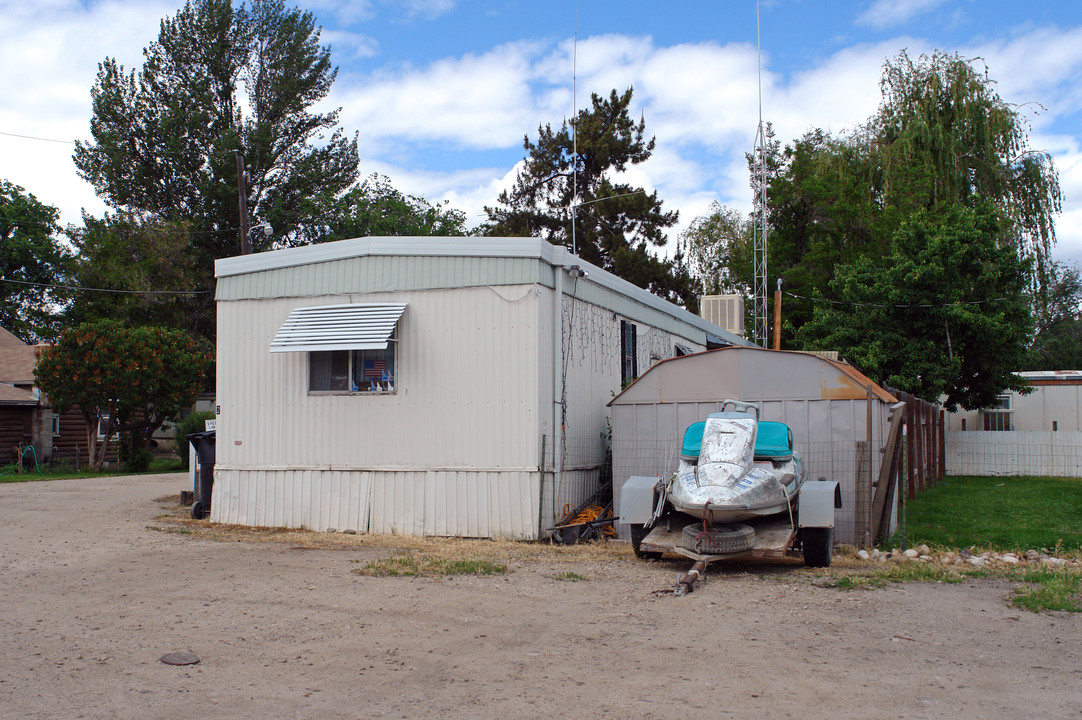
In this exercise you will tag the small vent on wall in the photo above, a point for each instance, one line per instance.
(726, 311)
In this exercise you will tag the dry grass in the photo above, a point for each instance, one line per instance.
(174, 518)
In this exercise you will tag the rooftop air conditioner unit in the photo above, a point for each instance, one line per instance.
(725, 311)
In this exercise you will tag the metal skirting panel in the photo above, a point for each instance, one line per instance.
(312, 499)
(456, 504)
(445, 504)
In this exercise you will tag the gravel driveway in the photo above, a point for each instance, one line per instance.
(92, 599)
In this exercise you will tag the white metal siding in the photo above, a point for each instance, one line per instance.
(1058, 454)
(466, 403)
(593, 377)
(1059, 403)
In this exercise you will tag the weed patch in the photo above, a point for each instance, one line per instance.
(410, 565)
(1049, 589)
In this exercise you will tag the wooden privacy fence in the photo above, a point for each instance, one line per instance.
(925, 442)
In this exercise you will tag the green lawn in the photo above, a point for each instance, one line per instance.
(10, 474)
(1001, 513)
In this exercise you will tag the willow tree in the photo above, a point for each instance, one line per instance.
(719, 249)
(945, 135)
(941, 138)
(941, 314)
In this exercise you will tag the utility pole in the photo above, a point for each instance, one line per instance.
(242, 202)
(777, 317)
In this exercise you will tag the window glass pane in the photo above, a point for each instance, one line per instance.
(328, 371)
(374, 370)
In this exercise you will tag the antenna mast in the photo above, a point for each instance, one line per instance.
(761, 337)
(575, 132)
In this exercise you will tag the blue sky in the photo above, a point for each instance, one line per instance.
(441, 92)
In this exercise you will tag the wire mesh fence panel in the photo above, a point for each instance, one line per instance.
(576, 470)
(1057, 454)
(838, 461)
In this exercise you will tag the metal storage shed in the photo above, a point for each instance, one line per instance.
(839, 418)
(429, 386)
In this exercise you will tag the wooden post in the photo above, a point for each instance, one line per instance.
(888, 472)
(777, 317)
(242, 202)
(910, 447)
(942, 444)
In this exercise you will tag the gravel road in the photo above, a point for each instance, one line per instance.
(92, 598)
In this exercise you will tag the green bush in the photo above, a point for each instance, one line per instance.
(138, 460)
(196, 422)
(133, 460)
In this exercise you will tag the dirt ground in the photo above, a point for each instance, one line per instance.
(92, 598)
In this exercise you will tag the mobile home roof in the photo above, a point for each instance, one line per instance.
(460, 247)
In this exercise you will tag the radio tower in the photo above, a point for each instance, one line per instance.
(762, 329)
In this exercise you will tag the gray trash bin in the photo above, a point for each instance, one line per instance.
(203, 442)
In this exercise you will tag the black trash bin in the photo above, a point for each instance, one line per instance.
(203, 442)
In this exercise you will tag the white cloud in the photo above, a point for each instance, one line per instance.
(888, 13)
(1038, 69)
(452, 129)
(428, 9)
(475, 101)
(52, 51)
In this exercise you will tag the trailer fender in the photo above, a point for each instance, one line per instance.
(816, 503)
(637, 499)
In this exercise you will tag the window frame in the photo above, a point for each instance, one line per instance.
(999, 417)
(629, 356)
(353, 358)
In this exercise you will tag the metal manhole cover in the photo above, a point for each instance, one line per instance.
(180, 658)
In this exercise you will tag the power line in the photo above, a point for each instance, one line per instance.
(914, 306)
(40, 139)
(107, 290)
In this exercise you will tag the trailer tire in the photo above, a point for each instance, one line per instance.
(818, 543)
(198, 512)
(638, 532)
(720, 540)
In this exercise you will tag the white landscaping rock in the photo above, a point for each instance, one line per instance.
(911, 553)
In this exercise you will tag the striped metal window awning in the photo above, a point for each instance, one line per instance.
(361, 326)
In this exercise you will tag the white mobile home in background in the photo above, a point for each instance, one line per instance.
(1039, 433)
(425, 386)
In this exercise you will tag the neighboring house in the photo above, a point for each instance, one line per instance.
(22, 419)
(26, 417)
(839, 418)
(1053, 405)
(426, 386)
(1039, 433)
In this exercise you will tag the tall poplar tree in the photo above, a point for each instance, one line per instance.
(221, 80)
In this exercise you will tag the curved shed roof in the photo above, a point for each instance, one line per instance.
(749, 374)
